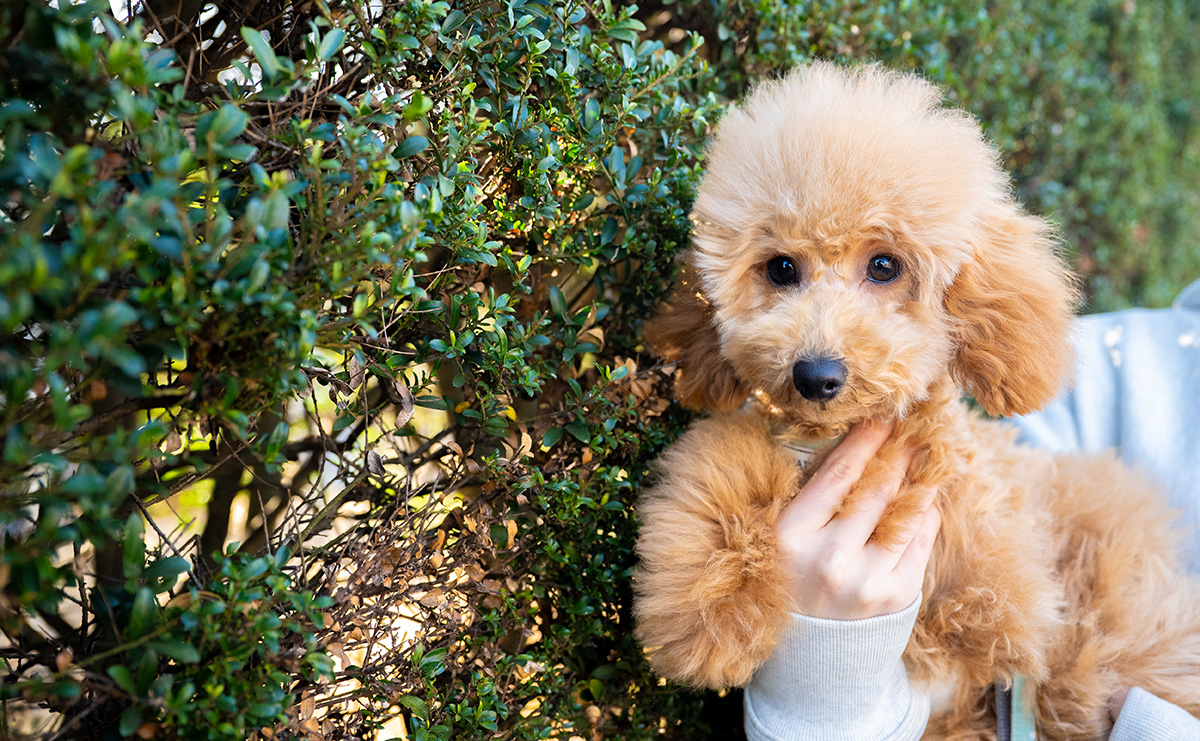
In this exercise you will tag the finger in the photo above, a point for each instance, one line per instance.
(910, 569)
(874, 498)
(822, 494)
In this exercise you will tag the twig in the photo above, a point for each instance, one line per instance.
(146, 513)
(329, 508)
(99, 421)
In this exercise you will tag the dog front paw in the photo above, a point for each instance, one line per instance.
(711, 598)
(987, 631)
(713, 612)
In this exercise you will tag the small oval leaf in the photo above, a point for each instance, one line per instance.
(411, 146)
(331, 43)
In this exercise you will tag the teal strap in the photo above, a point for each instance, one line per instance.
(1023, 726)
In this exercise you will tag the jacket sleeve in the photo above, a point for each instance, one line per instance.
(1145, 716)
(838, 680)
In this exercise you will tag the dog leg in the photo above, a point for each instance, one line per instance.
(711, 597)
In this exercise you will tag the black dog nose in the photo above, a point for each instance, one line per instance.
(819, 379)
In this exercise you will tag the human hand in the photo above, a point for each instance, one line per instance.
(1116, 702)
(838, 572)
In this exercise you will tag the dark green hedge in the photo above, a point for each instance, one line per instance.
(360, 287)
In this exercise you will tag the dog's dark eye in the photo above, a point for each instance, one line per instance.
(781, 270)
(883, 268)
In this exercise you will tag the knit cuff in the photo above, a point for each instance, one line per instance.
(1144, 716)
(838, 679)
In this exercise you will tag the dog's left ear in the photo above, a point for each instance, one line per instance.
(1013, 302)
(684, 332)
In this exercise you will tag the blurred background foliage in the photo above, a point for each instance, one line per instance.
(322, 398)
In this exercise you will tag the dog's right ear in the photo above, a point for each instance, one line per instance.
(1014, 302)
(684, 332)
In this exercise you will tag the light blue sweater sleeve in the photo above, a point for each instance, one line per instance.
(838, 680)
(1145, 716)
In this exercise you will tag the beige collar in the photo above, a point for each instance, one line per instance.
(804, 450)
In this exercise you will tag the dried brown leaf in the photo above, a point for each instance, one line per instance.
(308, 705)
(402, 397)
(594, 335)
(63, 660)
(356, 372)
(433, 598)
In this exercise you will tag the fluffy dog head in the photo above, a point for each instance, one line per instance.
(854, 243)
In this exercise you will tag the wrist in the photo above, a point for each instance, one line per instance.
(856, 607)
(828, 671)
(1116, 702)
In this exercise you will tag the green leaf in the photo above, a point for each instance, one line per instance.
(256, 568)
(331, 43)
(410, 146)
(262, 52)
(606, 672)
(120, 674)
(177, 649)
(163, 573)
(144, 616)
(361, 302)
(558, 302)
(119, 484)
(609, 232)
(417, 107)
(431, 402)
(627, 30)
(321, 664)
(66, 689)
(264, 709)
(579, 431)
(131, 720)
(453, 20)
(552, 436)
(417, 706)
(135, 546)
(591, 113)
(227, 122)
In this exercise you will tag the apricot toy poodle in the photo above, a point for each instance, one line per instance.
(857, 254)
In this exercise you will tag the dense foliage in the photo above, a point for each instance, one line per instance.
(322, 400)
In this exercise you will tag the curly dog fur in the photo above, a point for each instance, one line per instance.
(1062, 569)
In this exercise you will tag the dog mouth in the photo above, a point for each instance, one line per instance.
(823, 396)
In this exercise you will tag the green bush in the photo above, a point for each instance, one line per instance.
(360, 287)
